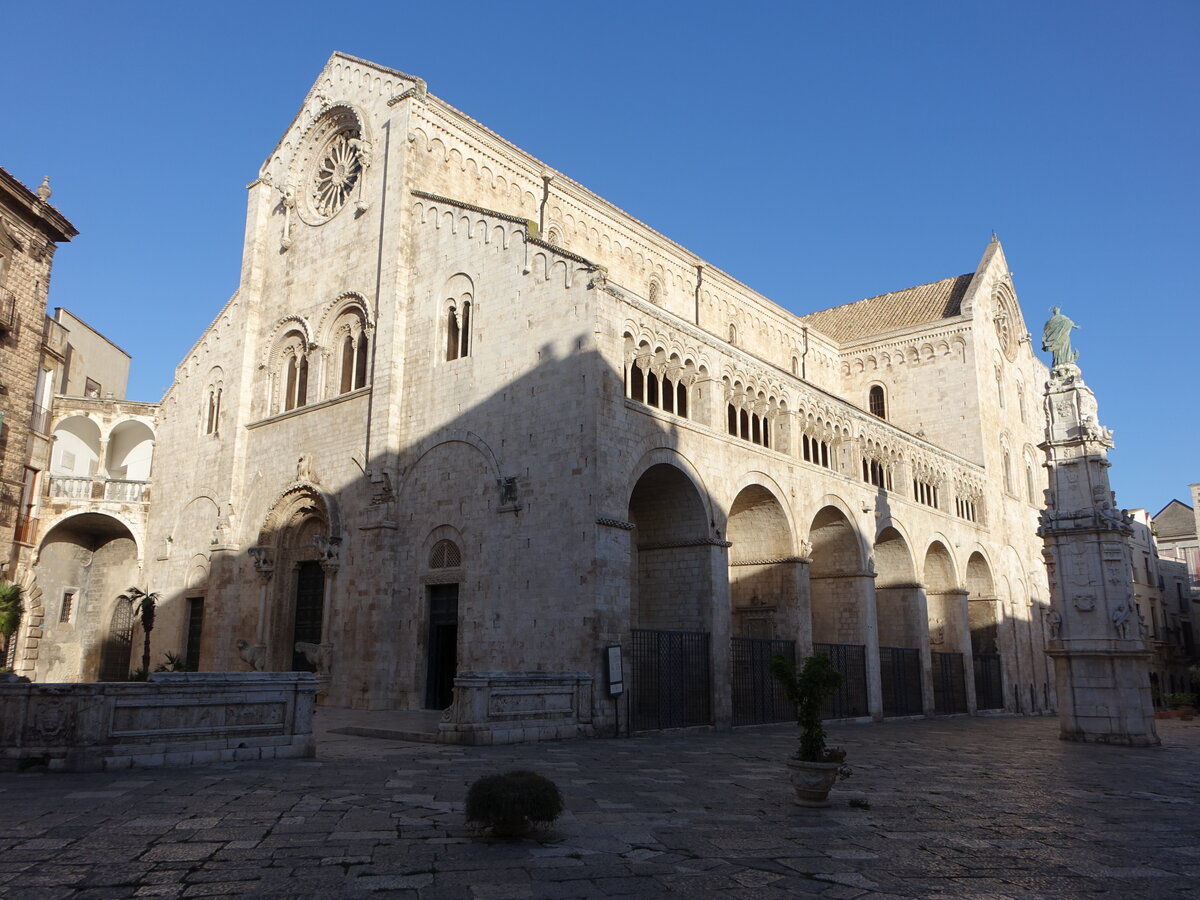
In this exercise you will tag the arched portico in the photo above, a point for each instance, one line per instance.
(677, 580)
(84, 562)
(949, 636)
(843, 612)
(767, 586)
(983, 610)
(900, 611)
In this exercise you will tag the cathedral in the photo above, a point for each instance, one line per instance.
(468, 437)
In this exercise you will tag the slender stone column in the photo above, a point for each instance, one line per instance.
(871, 639)
(328, 549)
(264, 565)
(1096, 639)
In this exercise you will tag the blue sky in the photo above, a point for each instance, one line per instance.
(819, 152)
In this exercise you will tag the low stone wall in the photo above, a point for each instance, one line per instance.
(174, 719)
(516, 707)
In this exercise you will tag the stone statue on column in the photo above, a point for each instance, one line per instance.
(1100, 656)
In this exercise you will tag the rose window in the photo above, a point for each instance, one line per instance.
(337, 172)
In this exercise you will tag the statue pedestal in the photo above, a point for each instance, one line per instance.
(1100, 656)
(1104, 697)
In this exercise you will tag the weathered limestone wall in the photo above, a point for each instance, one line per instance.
(173, 720)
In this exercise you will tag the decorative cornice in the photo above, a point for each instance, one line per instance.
(615, 523)
(508, 217)
(418, 90)
(771, 561)
(673, 545)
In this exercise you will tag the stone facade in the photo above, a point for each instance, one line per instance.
(1162, 595)
(31, 352)
(463, 417)
(1098, 637)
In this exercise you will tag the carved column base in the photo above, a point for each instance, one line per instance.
(1104, 697)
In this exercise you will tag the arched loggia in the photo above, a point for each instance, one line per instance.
(984, 616)
(899, 614)
(838, 584)
(672, 561)
(946, 608)
(764, 593)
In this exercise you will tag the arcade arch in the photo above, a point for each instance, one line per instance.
(900, 619)
(672, 595)
(763, 572)
(90, 558)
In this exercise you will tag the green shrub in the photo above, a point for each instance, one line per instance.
(808, 689)
(511, 801)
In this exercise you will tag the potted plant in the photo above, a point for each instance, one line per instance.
(815, 765)
(513, 802)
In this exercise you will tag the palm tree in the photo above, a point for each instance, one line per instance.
(11, 596)
(144, 604)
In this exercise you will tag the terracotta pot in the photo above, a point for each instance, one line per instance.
(512, 828)
(813, 781)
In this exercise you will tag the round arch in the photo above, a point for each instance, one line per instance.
(130, 451)
(897, 593)
(837, 579)
(667, 456)
(763, 574)
(76, 448)
(84, 561)
(670, 547)
(944, 598)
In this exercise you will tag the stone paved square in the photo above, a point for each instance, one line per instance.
(992, 807)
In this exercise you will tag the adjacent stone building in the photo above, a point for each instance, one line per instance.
(31, 352)
(465, 427)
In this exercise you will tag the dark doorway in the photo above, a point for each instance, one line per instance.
(114, 655)
(443, 646)
(310, 595)
(194, 629)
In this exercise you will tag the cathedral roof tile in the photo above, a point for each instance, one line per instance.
(890, 312)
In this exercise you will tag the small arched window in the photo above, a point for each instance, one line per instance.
(654, 291)
(445, 555)
(876, 402)
(458, 310)
(1008, 479)
(288, 385)
(355, 350)
(733, 334)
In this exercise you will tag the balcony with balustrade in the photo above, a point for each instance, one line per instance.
(95, 487)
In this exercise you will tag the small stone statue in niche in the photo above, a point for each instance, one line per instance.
(1054, 623)
(1120, 620)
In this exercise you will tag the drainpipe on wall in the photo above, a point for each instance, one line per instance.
(383, 184)
(804, 354)
(542, 211)
(699, 282)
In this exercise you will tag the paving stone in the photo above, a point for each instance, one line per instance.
(959, 808)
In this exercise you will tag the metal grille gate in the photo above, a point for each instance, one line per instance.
(850, 700)
(670, 680)
(900, 679)
(949, 685)
(757, 697)
(989, 688)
